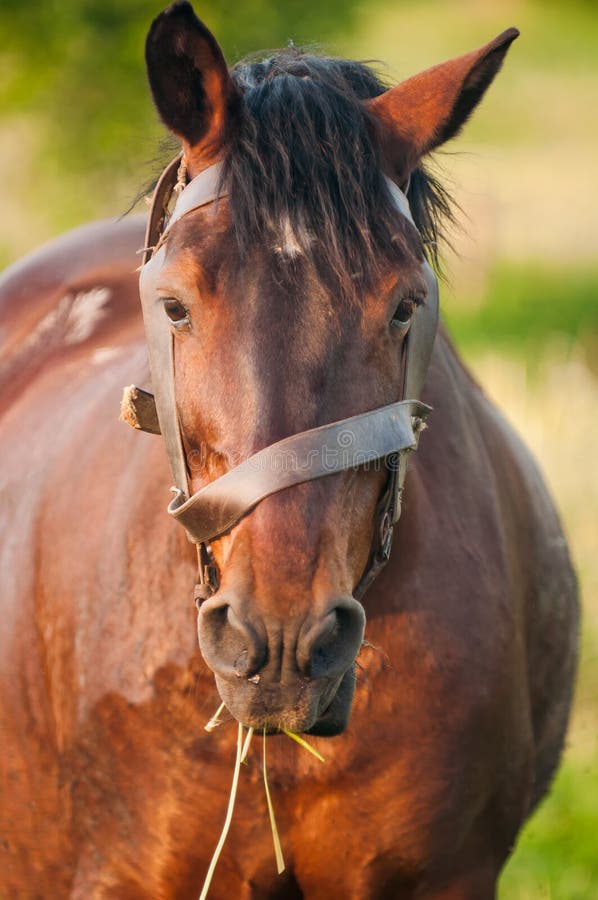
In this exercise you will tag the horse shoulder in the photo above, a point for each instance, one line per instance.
(515, 549)
(543, 573)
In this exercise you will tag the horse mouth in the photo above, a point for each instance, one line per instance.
(307, 710)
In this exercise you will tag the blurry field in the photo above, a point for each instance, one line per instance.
(522, 297)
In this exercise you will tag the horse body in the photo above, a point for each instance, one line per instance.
(113, 788)
(459, 711)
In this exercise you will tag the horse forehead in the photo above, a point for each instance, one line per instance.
(275, 312)
(302, 324)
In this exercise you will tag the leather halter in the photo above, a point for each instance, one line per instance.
(387, 433)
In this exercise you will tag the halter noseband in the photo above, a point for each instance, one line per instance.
(387, 433)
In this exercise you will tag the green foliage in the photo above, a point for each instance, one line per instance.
(76, 109)
(556, 856)
(78, 65)
(526, 305)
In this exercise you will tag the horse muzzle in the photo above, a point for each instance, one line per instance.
(277, 673)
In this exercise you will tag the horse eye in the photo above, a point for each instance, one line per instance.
(176, 312)
(403, 313)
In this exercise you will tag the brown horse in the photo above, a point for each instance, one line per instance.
(290, 301)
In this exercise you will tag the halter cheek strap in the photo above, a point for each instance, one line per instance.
(387, 433)
(201, 191)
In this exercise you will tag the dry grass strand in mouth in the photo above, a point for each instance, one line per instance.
(246, 745)
(303, 743)
(229, 816)
(275, 836)
(242, 751)
(216, 719)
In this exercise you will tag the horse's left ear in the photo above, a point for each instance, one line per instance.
(425, 111)
(190, 82)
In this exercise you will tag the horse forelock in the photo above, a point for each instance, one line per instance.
(303, 161)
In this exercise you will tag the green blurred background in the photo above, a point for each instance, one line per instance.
(77, 140)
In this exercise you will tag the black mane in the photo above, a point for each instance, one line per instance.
(304, 154)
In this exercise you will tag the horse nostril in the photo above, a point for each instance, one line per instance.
(330, 646)
(229, 643)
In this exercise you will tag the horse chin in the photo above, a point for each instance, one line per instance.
(324, 713)
(335, 718)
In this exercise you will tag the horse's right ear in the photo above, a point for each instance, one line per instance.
(190, 83)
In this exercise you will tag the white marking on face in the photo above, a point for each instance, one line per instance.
(289, 245)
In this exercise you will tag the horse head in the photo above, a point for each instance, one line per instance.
(288, 298)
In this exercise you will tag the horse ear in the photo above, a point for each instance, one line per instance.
(189, 79)
(425, 111)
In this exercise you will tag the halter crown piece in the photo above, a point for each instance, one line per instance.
(388, 432)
